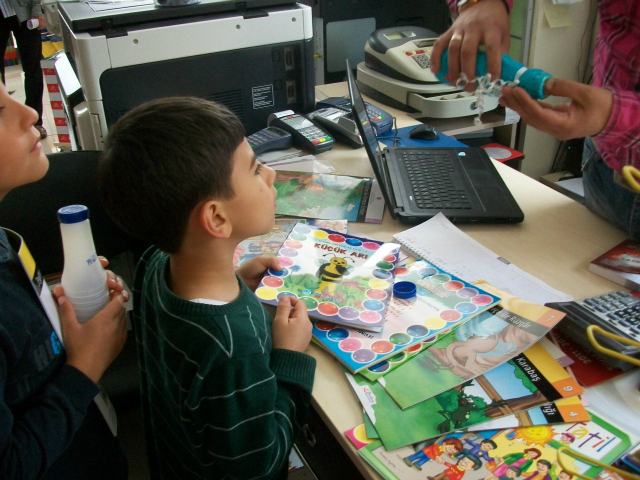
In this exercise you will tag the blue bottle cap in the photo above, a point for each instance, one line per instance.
(404, 290)
(73, 214)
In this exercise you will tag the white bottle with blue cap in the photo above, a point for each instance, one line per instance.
(83, 278)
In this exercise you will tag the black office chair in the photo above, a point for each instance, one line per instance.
(31, 211)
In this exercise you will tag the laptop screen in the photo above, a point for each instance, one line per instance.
(369, 138)
(359, 110)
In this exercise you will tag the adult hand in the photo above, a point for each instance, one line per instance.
(484, 23)
(92, 346)
(253, 271)
(585, 115)
(291, 328)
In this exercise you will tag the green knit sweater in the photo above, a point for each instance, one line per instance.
(217, 400)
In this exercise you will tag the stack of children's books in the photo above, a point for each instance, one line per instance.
(461, 387)
(451, 375)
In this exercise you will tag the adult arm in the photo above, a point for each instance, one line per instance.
(248, 410)
(36, 9)
(623, 126)
(485, 22)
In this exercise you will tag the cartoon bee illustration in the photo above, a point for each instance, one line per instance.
(331, 273)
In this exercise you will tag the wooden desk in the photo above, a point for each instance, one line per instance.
(556, 242)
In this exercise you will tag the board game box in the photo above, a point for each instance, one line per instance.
(341, 278)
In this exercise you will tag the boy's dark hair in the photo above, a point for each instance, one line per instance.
(477, 463)
(490, 442)
(161, 159)
(516, 470)
(545, 462)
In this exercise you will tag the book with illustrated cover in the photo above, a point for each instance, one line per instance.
(560, 411)
(442, 303)
(341, 278)
(318, 195)
(530, 380)
(481, 344)
(621, 264)
(529, 452)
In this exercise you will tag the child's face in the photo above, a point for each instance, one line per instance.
(253, 207)
(466, 463)
(21, 158)
(542, 468)
(449, 449)
(511, 473)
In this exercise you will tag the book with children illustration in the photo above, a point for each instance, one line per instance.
(318, 195)
(479, 345)
(269, 243)
(442, 303)
(560, 411)
(341, 278)
(531, 379)
(522, 453)
(550, 413)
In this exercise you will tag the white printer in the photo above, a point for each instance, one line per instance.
(255, 57)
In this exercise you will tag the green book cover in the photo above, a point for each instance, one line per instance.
(521, 384)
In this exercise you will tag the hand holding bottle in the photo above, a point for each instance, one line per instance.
(92, 346)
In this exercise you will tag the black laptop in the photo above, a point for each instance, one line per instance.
(419, 183)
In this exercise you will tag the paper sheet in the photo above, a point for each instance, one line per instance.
(306, 164)
(440, 242)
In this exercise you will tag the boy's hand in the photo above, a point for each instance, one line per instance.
(586, 115)
(291, 327)
(114, 282)
(92, 346)
(253, 271)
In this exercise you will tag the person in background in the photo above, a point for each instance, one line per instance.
(14, 15)
(607, 113)
(50, 426)
(224, 388)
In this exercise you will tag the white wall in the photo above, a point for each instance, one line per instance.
(557, 51)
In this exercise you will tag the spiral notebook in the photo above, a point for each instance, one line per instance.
(440, 242)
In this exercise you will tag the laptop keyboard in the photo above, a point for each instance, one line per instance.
(430, 176)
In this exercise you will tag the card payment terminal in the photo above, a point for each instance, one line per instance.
(380, 120)
(403, 53)
(339, 123)
(306, 134)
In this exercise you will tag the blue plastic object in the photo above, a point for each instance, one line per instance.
(73, 214)
(531, 79)
(404, 290)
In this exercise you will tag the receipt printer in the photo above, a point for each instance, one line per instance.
(255, 57)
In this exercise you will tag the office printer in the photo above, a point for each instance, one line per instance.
(254, 56)
(397, 72)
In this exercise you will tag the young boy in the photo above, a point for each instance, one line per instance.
(224, 390)
(449, 446)
(512, 472)
(49, 424)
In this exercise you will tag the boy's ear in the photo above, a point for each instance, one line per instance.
(214, 220)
